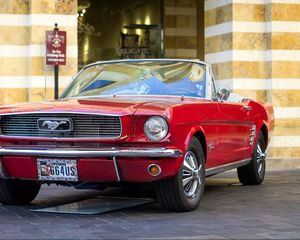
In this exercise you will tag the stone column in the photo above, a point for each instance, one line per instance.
(218, 39)
(283, 19)
(23, 23)
(253, 47)
(14, 39)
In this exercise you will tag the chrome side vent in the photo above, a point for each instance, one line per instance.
(252, 134)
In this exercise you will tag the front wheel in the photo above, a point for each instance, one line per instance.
(18, 192)
(254, 172)
(184, 191)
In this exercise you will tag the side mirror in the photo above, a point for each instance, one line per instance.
(223, 94)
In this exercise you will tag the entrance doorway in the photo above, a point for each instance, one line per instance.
(114, 29)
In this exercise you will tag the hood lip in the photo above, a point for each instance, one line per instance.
(143, 100)
(61, 111)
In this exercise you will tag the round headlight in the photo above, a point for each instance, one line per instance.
(156, 128)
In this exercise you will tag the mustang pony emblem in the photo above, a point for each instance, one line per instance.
(53, 125)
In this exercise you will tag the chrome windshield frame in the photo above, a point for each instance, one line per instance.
(207, 68)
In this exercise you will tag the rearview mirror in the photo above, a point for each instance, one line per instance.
(223, 94)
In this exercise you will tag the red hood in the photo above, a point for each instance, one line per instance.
(118, 105)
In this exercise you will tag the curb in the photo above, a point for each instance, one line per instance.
(282, 163)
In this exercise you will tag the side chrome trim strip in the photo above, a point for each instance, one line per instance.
(3, 173)
(104, 152)
(226, 167)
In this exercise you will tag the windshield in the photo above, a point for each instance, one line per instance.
(140, 78)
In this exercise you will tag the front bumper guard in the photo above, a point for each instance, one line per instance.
(102, 152)
(3, 173)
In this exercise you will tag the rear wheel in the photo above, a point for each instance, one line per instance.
(184, 191)
(254, 172)
(18, 192)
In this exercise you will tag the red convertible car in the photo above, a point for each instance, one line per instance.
(158, 121)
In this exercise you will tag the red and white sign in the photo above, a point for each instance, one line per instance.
(56, 44)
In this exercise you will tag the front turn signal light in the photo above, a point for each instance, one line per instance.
(154, 170)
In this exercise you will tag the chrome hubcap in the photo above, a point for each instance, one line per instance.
(191, 175)
(260, 160)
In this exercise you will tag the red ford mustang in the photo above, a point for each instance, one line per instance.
(158, 120)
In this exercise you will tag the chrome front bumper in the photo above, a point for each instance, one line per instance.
(104, 152)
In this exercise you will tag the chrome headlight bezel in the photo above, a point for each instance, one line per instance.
(156, 128)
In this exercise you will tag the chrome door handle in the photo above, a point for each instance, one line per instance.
(247, 108)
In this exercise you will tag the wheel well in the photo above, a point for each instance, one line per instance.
(264, 131)
(201, 138)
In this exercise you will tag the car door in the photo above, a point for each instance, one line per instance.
(235, 130)
(233, 126)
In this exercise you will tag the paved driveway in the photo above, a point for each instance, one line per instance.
(228, 211)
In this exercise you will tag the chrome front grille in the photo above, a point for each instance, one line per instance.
(84, 125)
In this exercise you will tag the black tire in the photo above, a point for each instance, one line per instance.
(173, 194)
(18, 192)
(254, 172)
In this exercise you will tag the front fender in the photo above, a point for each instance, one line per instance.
(193, 131)
(183, 135)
